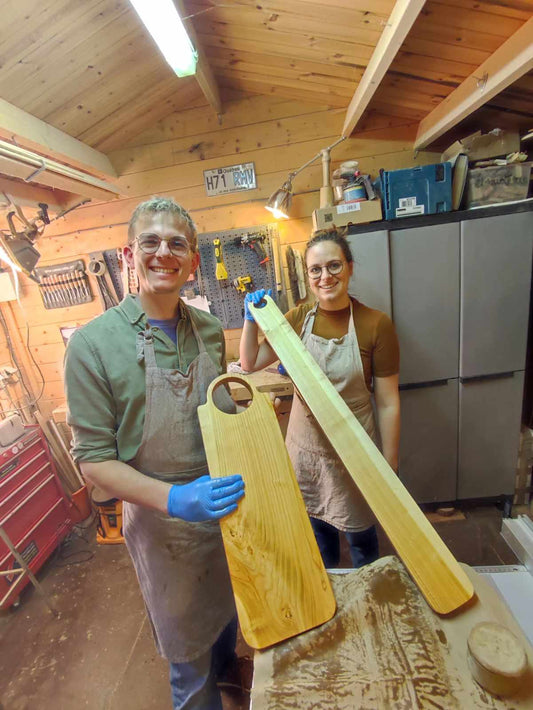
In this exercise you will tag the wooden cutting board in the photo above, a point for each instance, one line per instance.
(280, 584)
(437, 573)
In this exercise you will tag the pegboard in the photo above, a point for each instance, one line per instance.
(226, 303)
(112, 263)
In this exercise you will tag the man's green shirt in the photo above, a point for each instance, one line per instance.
(105, 375)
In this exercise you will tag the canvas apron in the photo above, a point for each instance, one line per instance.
(328, 490)
(181, 566)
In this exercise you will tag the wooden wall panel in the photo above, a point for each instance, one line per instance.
(278, 135)
(241, 111)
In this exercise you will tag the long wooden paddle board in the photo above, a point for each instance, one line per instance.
(280, 584)
(437, 573)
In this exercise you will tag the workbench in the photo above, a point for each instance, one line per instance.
(268, 380)
(385, 648)
(279, 387)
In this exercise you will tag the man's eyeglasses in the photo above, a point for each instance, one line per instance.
(332, 267)
(150, 243)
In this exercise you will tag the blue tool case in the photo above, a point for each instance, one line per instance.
(423, 190)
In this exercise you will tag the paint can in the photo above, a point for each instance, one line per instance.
(354, 193)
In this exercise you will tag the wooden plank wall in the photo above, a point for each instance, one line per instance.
(278, 135)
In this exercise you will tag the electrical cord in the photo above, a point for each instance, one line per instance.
(14, 358)
(64, 558)
(35, 363)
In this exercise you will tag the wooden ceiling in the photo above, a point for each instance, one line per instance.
(89, 68)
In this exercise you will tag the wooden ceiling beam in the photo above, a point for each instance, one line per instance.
(509, 62)
(395, 31)
(30, 132)
(25, 195)
(204, 75)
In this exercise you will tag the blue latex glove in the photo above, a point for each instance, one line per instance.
(281, 369)
(205, 499)
(255, 297)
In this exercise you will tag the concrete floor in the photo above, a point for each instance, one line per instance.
(99, 653)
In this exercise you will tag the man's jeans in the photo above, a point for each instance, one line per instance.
(194, 684)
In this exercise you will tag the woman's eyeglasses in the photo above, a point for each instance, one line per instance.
(332, 267)
(150, 243)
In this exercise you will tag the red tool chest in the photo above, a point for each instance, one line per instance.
(34, 510)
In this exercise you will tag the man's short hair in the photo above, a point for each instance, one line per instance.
(170, 206)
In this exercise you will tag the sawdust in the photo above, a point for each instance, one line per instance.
(380, 651)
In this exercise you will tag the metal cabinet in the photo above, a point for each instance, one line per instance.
(489, 433)
(428, 451)
(459, 297)
(370, 282)
(425, 301)
(495, 283)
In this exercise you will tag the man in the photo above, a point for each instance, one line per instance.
(134, 377)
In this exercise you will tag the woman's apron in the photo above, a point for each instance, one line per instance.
(181, 566)
(328, 490)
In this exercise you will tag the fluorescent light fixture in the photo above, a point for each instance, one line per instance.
(37, 164)
(162, 21)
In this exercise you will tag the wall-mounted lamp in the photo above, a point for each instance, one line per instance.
(17, 248)
(279, 202)
(163, 22)
(20, 255)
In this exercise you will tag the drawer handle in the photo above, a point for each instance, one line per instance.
(483, 378)
(422, 385)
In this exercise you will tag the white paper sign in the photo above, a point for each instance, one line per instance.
(199, 302)
(233, 178)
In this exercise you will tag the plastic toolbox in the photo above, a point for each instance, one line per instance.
(34, 511)
(414, 191)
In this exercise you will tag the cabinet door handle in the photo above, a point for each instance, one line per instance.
(484, 378)
(421, 385)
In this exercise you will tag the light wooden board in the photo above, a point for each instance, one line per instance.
(433, 567)
(280, 585)
(385, 649)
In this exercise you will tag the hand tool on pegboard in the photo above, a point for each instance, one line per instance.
(63, 285)
(98, 269)
(254, 240)
(221, 272)
(243, 284)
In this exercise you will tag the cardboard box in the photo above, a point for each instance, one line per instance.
(503, 183)
(347, 213)
(479, 145)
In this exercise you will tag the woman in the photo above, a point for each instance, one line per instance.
(357, 348)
